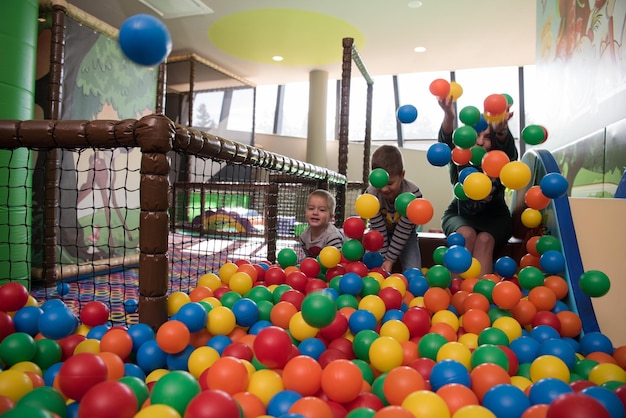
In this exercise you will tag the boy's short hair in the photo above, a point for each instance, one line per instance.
(330, 199)
(389, 158)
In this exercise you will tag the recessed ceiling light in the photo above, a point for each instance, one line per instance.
(414, 4)
(420, 49)
(277, 58)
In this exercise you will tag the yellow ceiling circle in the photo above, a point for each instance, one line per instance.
(300, 37)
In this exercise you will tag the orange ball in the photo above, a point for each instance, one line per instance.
(495, 104)
(468, 284)
(341, 380)
(445, 329)
(458, 299)
(118, 341)
(420, 211)
(311, 407)
(281, 314)
(400, 382)
(524, 312)
(571, 325)
(250, 270)
(115, 365)
(531, 245)
(228, 374)
(506, 294)
(409, 349)
(393, 411)
(619, 354)
(558, 285)
(437, 299)
(302, 374)
(475, 320)
(528, 260)
(251, 405)
(493, 161)
(542, 297)
(461, 156)
(601, 357)
(172, 337)
(536, 411)
(456, 395)
(440, 87)
(199, 293)
(476, 301)
(485, 376)
(535, 199)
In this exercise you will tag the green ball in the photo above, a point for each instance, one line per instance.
(45, 398)
(439, 253)
(259, 293)
(429, 345)
(334, 283)
(464, 137)
(533, 134)
(21, 411)
(228, 299)
(402, 201)
(366, 370)
(362, 342)
(459, 193)
(495, 313)
(594, 283)
(287, 257)
(265, 309)
(493, 336)
(379, 178)
(361, 412)
(439, 276)
(548, 242)
(378, 387)
(347, 301)
(138, 386)
(175, 389)
(352, 250)
(509, 99)
(489, 353)
(583, 367)
(318, 309)
(469, 115)
(370, 286)
(278, 292)
(478, 153)
(485, 288)
(47, 353)
(530, 277)
(524, 370)
(17, 347)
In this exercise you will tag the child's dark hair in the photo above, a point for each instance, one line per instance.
(389, 158)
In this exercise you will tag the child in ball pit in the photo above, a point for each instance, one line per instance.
(320, 232)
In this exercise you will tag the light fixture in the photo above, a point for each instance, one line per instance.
(414, 4)
(277, 58)
(168, 9)
(419, 49)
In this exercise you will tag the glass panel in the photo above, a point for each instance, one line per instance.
(295, 110)
(265, 108)
(207, 109)
(240, 116)
(384, 125)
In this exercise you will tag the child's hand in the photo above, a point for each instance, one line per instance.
(447, 104)
(387, 266)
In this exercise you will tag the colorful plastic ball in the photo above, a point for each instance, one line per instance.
(449, 371)
(80, 373)
(457, 396)
(353, 227)
(493, 162)
(287, 257)
(439, 154)
(533, 135)
(173, 336)
(131, 306)
(457, 259)
(351, 284)
(469, 115)
(549, 366)
(361, 320)
(240, 283)
(594, 283)
(379, 178)
(228, 374)
(212, 404)
(44, 398)
(373, 240)
(246, 312)
(553, 185)
(439, 87)
(478, 154)
(439, 276)
(309, 266)
(400, 382)
(592, 342)
(175, 389)
(367, 206)
(406, 113)
(14, 385)
(157, 411)
(461, 156)
(530, 277)
(314, 407)
(489, 353)
(385, 354)
(109, 396)
(352, 250)
(221, 321)
(576, 405)
(26, 320)
(552, 262)
(402, 201)
(531, 218)
(535, 199)
(506, 294)
(456, 91)
(495, 104)
(477, 186)
(272, 347)
(145, 40)
(426, 404)
(13, 296)
(609, 400)
(193, 316)
(487, 375)
(57, 322)
(150, 356)
(420, 211)
(281, 402)
(341, 380)
(458, 191)
(319, 309)
(329, 256)
(506, 400)
(302, 374)
(464, 137)
(515, 175)
(604, 373)
(63, 288)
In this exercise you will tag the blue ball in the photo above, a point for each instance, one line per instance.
(351, 284)
(449, 371)
(246, 312)
(505, 266)
(609, 400)
(312, 347)
(418, 286)
(466, 172)
(553, 185)
(543, 333)
(481, 125)
(27, 320)
(595, 341)
(131, 369)
(361, 320)
(57, 322)
(139, 334)
(546, 390)
(179, 361)
(52, 303)
(506, 400)
(455, 239)
(98, 331)
(407, 113)
(281, 402)
(258, 326)
(526, 349)
(145, 40)
(457, 259)
(63, 288)
(219, 342)
(51, 373)
(392, 314)
(193, 315)
(439, 154)
(561, 349)
(552, 262)
(372, 259)
(150, 357)
(131, 306)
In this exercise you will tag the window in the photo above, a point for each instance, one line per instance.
(295, 110)
(265, 109)
(207, 107)
(242, 105)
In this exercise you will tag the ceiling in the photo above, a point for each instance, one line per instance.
(241, 36)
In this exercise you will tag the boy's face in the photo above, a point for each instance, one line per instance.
(317, 212)
(392, 189)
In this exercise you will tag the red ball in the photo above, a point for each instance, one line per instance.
(68, 345)
(275, 275)
(357, 267)
(297, 280)
(13, 296)
(7, 327)
(80, 373)
(576, 405)
(295, 297)
(212, 404)
(344, 345)
(238, 350)
(336, 329)
(272, 347)
(108, 396)
(373, 240)
(391, 297)
(417, 320)
(310, 266)
(338, 270)
(313, 285)
(365, 400)
(354, 227)
(547, 318)
(424, 366)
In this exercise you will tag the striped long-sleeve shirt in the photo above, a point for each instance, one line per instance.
(395, 228)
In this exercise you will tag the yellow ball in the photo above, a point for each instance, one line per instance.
(473, 411)
(210, 280)
(417, 301)
(27, 366)
(175, 300)
(240, 282)
(455, 350)
(90, 345)
(549, 366)
(82, 329)
(395, 329)
(374, 304)
(447, 317)
(201, 359)
(221, 321)
(379, 277)
(226, 271)
(521, 382)
(473, 271)
(155, 375)
(265, 383)
(607, 372)
(158, 411)
(385, 354)
(367, 206)
(299, 328)
(14, 384)
(469, 340)
(509, 326)
(330, 256)
(531, 218)
(396, 282)
(426, 404)
(213, 301)
(477, 186)
(456, 91)
(515, 175)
